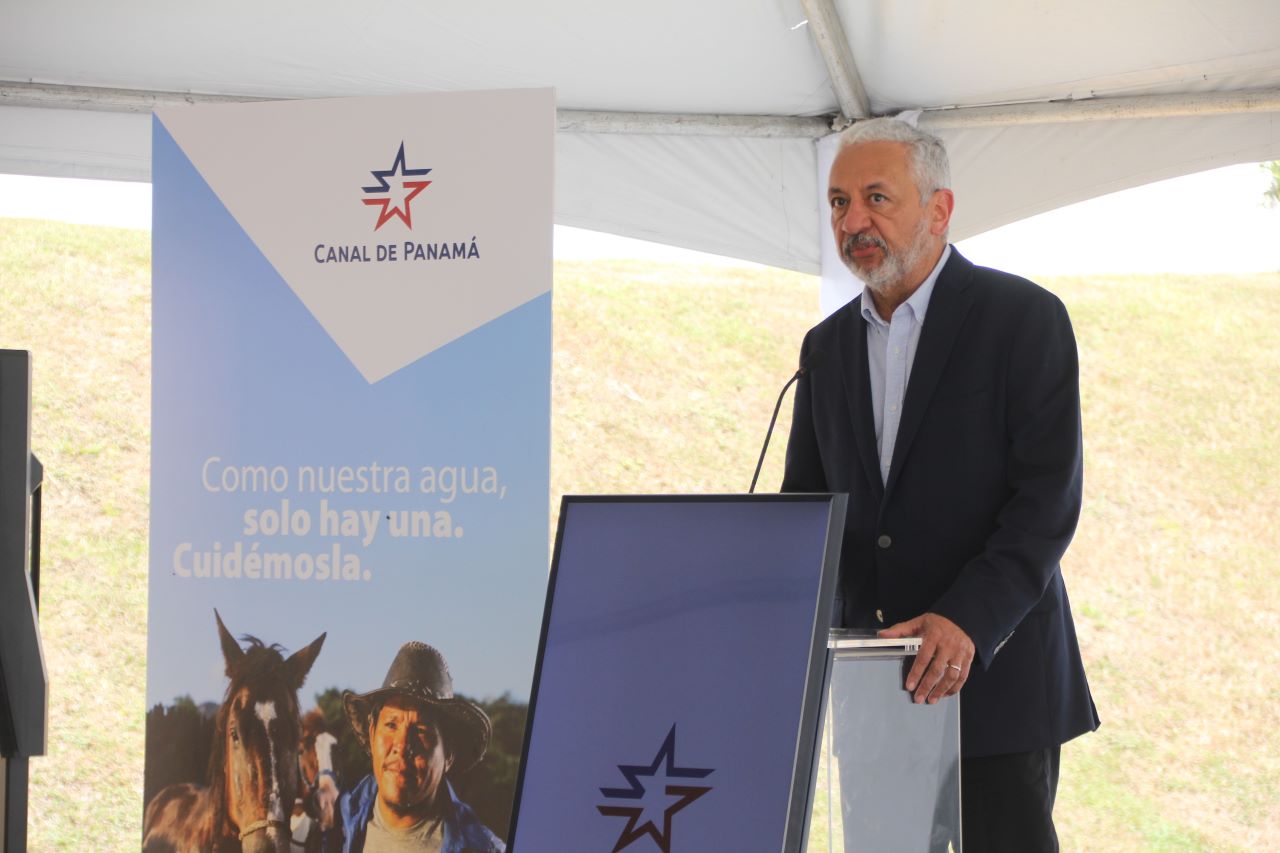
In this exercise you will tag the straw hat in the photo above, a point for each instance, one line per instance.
(420, 672)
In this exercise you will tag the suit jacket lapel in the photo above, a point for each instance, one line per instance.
(948, 307)
(852, 337)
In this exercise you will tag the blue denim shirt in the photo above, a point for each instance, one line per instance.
(463, 831)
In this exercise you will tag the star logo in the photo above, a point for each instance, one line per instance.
(402, 192)
(665, 763)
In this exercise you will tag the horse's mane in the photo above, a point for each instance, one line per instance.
(259, 664)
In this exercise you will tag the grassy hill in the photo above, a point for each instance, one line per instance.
(664, 379)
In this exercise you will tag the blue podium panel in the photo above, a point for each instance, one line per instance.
(679, 674)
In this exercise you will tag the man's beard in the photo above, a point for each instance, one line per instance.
(893, 269)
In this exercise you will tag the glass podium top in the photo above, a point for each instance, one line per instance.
(851, 639)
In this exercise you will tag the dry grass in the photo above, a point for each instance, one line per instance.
(1174, 571)
(664, 381)
(665, 377)
(79, 298)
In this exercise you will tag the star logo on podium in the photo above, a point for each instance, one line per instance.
(665, 796)
(401, 193)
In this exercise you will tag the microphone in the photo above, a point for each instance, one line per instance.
(800, 371)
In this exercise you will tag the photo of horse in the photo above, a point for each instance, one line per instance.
(253, 777)
(264, 766)
(314, 808)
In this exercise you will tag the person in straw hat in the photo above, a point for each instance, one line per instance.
(416, 732)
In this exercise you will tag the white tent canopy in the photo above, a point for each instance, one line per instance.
(698, 123)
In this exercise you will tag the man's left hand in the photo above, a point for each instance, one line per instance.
(942, 664)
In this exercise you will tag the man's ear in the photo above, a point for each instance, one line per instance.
(941, 206)
(447, 741)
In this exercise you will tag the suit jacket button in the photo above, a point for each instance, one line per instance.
(884, 541)
(880, 616)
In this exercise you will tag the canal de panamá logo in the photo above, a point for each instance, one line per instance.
(397, 187)
(648, 810)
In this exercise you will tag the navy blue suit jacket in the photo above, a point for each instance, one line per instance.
(982, 498)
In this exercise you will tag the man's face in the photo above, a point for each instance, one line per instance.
(885, 235)
(409, 756)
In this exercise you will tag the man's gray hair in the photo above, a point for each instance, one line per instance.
(928, 157)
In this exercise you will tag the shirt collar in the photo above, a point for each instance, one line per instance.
(919, 300)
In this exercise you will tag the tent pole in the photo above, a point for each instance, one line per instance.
(829, 36)
(1104, 109)
(20, 94)
(15, 93)
(678, 124)
(54, 96)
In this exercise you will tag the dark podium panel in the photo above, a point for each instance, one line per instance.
(23, 682)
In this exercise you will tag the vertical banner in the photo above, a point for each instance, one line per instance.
(350, 467)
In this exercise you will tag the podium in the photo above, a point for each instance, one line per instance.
(689, 696)
(23, 680)
(886, 774)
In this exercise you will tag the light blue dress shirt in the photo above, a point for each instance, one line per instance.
(891, 350)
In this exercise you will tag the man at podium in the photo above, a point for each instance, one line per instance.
(945, 401)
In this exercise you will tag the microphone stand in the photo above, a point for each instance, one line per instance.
(769, 433)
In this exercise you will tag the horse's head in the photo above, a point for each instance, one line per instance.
(315, 764)
(313, 725)
(254, 761)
